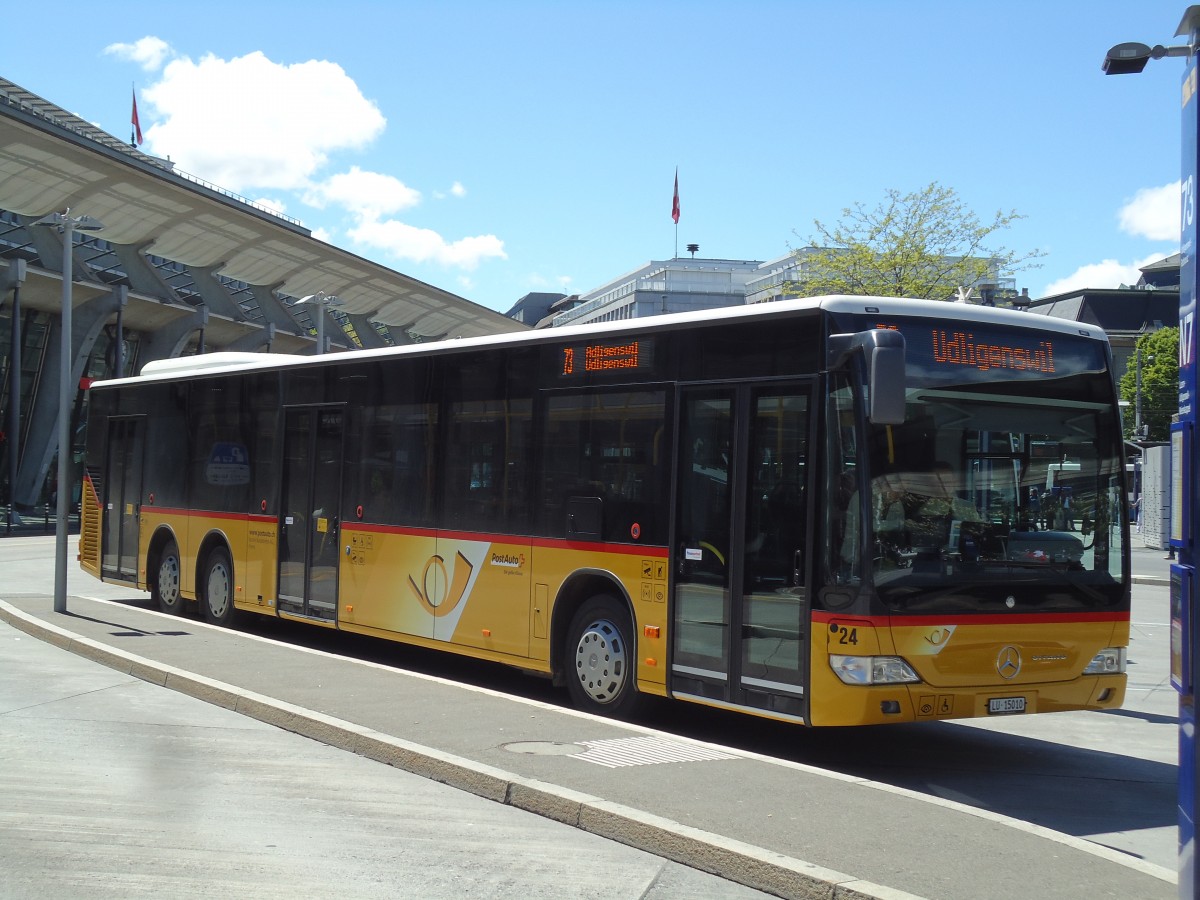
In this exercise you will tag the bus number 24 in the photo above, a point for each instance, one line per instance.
(845, 635)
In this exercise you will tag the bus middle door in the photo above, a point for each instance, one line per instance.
(740, 612)
(311, 502)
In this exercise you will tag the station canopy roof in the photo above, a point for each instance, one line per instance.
(51, 160)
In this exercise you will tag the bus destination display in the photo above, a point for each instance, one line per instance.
(610, 356)
(962, 348)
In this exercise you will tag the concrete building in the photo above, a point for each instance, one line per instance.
(537, 310)
(662, 286)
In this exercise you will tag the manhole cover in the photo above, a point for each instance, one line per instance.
(543, 748)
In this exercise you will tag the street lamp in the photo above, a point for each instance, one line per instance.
(323, 302)
(1131, 57)
(67, 225)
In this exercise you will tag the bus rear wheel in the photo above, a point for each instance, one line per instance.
(216, 601)
(600, 658)
(166, 587)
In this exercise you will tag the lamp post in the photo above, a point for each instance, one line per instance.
(1137, 397)
(1141, 430)
(67, 225)
(322, 301)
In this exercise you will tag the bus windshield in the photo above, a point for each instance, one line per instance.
(985, 500)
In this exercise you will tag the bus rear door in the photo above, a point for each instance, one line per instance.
(123, 497)
(739, 543)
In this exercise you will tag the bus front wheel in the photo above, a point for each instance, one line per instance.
(600, 658)
(217, 594)
(167, 581)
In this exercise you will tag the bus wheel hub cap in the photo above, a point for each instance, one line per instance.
(600, 661)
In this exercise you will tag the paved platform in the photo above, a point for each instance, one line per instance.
(115, 788)
(780, 827)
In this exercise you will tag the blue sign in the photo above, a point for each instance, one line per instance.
(1187, 248)
(1183, 581)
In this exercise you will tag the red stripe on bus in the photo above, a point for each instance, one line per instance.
(824, 617)
(207, 514)
(544, 543)
(391, 529)
(596, 547)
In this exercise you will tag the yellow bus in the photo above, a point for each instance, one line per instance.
(831, 511)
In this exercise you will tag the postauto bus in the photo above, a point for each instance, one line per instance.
(831, 511)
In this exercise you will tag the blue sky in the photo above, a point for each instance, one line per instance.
(493, 149)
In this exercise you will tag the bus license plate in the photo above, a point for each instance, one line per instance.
(1005, 706)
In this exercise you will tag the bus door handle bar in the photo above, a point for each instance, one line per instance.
(797, 567)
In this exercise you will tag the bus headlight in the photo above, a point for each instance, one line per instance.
(872, 670)
(1110, 661)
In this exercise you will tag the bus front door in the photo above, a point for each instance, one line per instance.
(309, 529)
(740, 614)
(123, 498)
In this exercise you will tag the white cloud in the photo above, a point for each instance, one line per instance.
(456, 190)
(1105, 274)
(322, 235)
(559, 283)
(1153, 213)
(423, 245)
(149, 52)
(367, 194)
(251, 122)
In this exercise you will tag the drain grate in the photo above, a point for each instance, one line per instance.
(644, 751)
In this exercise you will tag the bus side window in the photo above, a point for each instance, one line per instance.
(604, 445)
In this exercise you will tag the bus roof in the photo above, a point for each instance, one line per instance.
(229, 362)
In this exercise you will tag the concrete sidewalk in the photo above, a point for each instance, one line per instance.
(115, 788)
(781, 827)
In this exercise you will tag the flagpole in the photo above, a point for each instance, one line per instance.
(675, 212)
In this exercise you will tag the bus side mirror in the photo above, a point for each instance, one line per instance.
(885, 369)
(883, 349)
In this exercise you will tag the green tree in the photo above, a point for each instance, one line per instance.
(925, 244)
(1160, 384)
